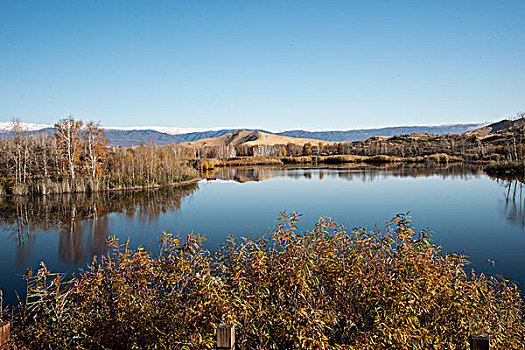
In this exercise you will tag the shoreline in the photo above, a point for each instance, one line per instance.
(138, 188)
(322, 161)
(134, 188)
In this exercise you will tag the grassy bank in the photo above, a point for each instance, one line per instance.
(40, 187)
(288, 289)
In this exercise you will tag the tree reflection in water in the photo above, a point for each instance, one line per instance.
(70, 215)
(348, 172)
(84, 217)
(513, 207)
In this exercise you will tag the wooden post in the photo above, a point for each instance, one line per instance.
(4, 335)
(478, 341)
(226, 337)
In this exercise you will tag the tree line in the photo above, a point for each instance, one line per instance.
(77, 158)
(508, 146)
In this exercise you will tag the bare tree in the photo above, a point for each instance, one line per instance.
(66, 135)
(95, 142)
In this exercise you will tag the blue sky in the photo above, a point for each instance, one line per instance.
(262, 64)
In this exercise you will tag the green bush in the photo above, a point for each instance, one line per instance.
(288, 289)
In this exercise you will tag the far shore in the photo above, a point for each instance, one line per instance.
(432, 159)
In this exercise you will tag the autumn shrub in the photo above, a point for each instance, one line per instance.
(5, 184)
(473, 157)
(297, 160)
(244, 161)
(338, 159)
(438, 158)
(418, 159)
(382, 159)
(288, 289)
(494, 157)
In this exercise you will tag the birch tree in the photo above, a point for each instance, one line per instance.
(67, 132)
(95, 142)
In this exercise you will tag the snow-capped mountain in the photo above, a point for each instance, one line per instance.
(160, 135)
(166, 129)
(8, 126)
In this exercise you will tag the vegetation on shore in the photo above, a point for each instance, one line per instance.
(507, 169)
(497, 144)
(212, 163)
(323, 288)
(78, 159)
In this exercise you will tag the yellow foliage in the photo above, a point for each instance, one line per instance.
(288, 289)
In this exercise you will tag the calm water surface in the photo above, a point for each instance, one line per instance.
(466, 209)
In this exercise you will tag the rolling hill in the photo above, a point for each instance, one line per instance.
(250, 138)
(498, 127)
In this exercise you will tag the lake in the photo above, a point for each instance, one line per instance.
(466, 210)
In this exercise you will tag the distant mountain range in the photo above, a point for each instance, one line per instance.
(133, 136)
(363, 134)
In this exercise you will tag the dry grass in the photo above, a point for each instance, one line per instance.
(253, 161)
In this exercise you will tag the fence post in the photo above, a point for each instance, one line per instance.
(4, 335)
(478, 341)
(226, 337)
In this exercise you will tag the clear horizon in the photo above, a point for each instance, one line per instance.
(36, 126)
(277, 66)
